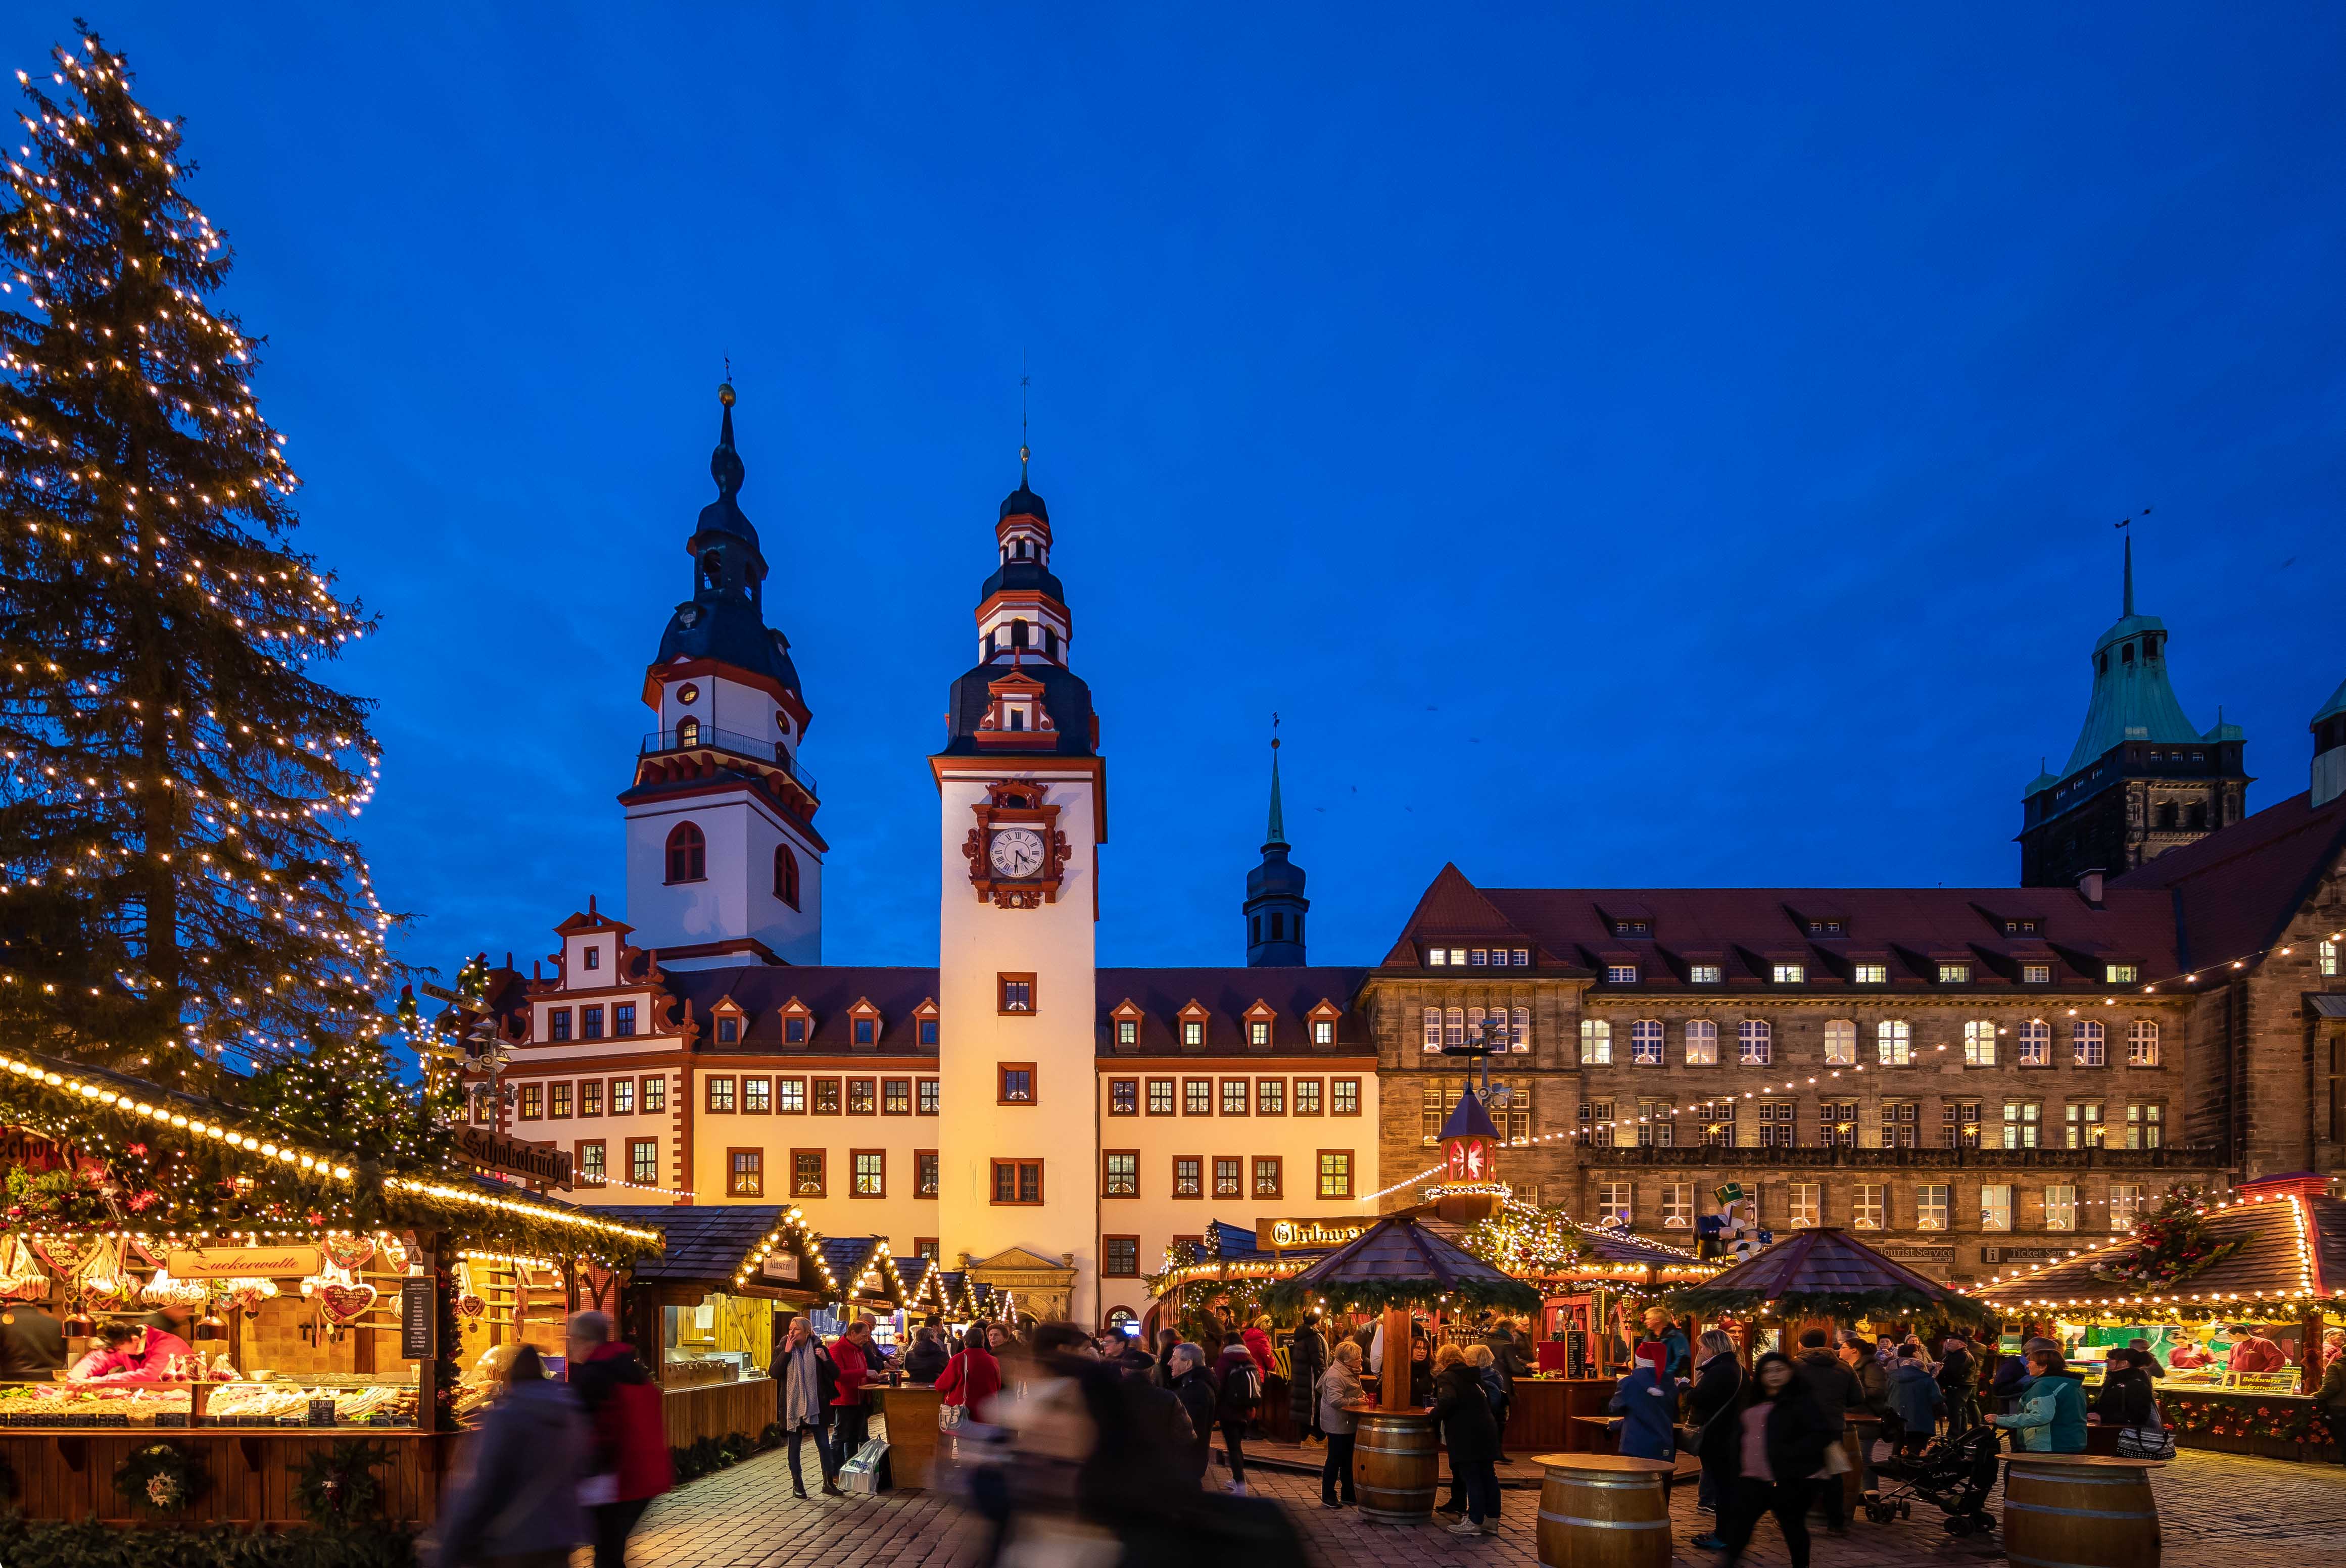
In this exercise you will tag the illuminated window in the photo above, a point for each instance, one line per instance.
(1257, 1033)
(2036, 975)
(1127, 1032)
(1613, 1201)
(1335, 1173)
(1234, 1096)
(558, 1100)
(2087, 1040)
(1596, 1123)
(1959, 1125)
(1307, 1096)
(2142, 1043)
(896, 1096)
(2121, 973)
(643, 1161)
(2060, 1208)
(1954, 974)
(2084, 1124)
(2021, 1120)
(2146, 1125)
(2326, 959)
(790, 1097)
(623, 1097)
(1898, 1119)
(721, 1093)
(533, 1101)
(1841, 1043)
(1519, 1029)
(1701, 1042)
(1931, 1204)
(1996, 1207)
(1837, 1124)
(2036, 1043)
(1344, 1097)
(1454, 1026)
(590, 1162)
(1323, 1031)
(1193, 1032)
(1779, 1124)
(826, 1096)
(1704, 974)
(1621, 974)
(924, 1172)
(1121, 1175)
(1161, 1096)
(1789, 973)
(1867, 1200)
(758, 1094)
(2126, 1207)
(1715, 1122)
(927, 1095)
(1433, 1029)
(1754, 1043)
(1872, 975)
(1228, 1177)
(1893, 1040)
(1197, 1097)
(1678, 1205)
(1646, 1043)
(1595, 1043)
(1979, 1043)
(806, 1173)
(1804, 1204)
(1186, 1179)
(1270, 1097)
(862, 1096)
(1124, 1096)
(746, 1177)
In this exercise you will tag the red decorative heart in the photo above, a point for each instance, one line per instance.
(471, 1305)
(350, 1251)
(345, 1304)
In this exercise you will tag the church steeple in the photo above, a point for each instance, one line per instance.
(1275, 901)
(2142, 778)
(1022, 696)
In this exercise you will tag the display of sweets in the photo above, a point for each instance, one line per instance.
(69, 1405)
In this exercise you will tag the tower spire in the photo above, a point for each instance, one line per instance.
(1278, 833)
(725, 463)
(1023, 451)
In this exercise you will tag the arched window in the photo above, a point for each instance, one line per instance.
(1979, 1043)
(2142, 1043)
(1018, 634)
(1595, 1043)
(2036, 1043)
(1841, 1043)
(786, 875)
(1278, 927)
(1433, 1029)
(1646, 1043)
(1454, 1026)
(688, 732)
(1701, 1042)
(1474, 1026)
(1893, 1040)
(1519, 1035)
(1050, 642)
(1754, 1043)
(2086, 1037)
(688, 854)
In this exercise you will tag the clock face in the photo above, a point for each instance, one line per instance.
(1017, 852)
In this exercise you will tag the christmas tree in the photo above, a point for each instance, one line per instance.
(178, 890)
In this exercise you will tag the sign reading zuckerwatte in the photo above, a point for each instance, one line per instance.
(242, 1262)
(496, 1152)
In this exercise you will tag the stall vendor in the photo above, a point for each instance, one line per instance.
(130, 1353)
(2188, 1357)
(2252, 1352)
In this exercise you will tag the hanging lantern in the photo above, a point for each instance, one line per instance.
(79, 1326)
(209, 1326)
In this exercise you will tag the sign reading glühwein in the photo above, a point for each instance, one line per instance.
(1280, 1235)
(496, 1152)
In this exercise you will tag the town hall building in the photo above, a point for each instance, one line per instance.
(1978, 1076)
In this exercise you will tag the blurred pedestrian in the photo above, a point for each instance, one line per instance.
(1463, 1408)
(928, 1355)
(1712, 1409)
(32, 1343)
(1239, 1395)
(1783, 1433)
(630, 1464)
(1959, 1382)
(1646, 1403)
(1862, 1356)
(1193, 1385)
(1836, 1391)
(1340, 1388)
(1166, 1341)
(2052, 1414)
(514, 1501)
(1421, 1371)
(971, 1379)
(809, 1380)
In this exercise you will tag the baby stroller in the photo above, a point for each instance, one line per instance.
(1955, 1472)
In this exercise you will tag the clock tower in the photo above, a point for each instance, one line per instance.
(1022, 806)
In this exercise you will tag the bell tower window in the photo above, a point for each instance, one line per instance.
(786, 875)
(688, 732)
(1050, 642)
(1018, 634)
(688, 854)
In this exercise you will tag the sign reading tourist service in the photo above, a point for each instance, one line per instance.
(496, 1152)
(242, 1262)
(1282, 1234)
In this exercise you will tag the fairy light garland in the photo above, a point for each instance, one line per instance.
(2212, 1300)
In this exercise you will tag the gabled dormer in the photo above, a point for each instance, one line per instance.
(863, 1025)
(729, 1023)
(1016, 718)
(797, 1024)
(1124, 1027)
(1325, 1025)
(1192, 1026)
(926, 1024)
(593, 945)
(1261, 1025)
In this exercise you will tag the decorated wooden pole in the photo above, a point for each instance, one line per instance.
(1397, 1360)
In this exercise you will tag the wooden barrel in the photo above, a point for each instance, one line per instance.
(1396, 1464)
(1602, 1511)
(2079, 1511)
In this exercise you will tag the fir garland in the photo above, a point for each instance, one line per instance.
(162, 1478)
(338, 1487)
(2173, 1243)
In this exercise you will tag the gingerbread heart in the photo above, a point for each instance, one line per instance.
(345, 1304)
(471, 1305)
(350, 1251)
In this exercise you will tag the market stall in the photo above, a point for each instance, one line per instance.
(290, 1315)
(2242, 1301)
(1397, 1265)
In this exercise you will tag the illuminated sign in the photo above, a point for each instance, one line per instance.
(1283, 1234)
(242, 1262)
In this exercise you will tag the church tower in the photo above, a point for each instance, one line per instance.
(1275, 901)
(1023, 809)
(2142, 779)
(724, 866)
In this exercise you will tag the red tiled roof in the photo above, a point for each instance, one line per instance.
(2236, 891)
(1745, 931)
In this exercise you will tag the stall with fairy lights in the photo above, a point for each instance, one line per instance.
(318, 1305)
(2243, 1302)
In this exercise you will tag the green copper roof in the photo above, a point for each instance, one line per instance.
(2334, 706)
(2131, 701)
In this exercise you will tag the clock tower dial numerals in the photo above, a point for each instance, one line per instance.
(1016, 852)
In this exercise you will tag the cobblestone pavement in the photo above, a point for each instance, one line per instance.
(2216, 1511)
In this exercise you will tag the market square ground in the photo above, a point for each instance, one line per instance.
(2218, 1511)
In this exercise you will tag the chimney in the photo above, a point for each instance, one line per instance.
(2089, 887)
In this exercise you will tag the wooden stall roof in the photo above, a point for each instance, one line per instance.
(1401, 1261)
(2293, 1248)
(713, 1245)
(855, 1258)
(924, 1284)
(1825, 1272)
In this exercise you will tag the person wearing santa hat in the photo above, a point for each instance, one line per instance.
(1647, 1401)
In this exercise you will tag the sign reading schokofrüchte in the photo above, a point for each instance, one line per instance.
(242, 1262)
(1286, 1235)
(496, 1152)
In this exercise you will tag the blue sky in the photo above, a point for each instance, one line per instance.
(1628, 447)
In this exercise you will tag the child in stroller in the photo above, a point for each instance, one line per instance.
(1954, 1472)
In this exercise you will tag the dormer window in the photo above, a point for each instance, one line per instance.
(794, 1031)
(590, 956)
(2036, 975)
(1127, 1032)
(1478, 958)
(2121, 973)
(688, 732)
(1954, 974)
(1872, 975)
(1621, 974)
(2023, 927)
(1705, 974)
(1789, 973)
(1825, 928)
(729, 1031)
(1633, 928)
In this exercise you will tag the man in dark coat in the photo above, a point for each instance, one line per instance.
(1959, 1382)
(1193, 1386)
(1470, 1434)
(1306, 1359)
(32, 1344)
(1836, 1391)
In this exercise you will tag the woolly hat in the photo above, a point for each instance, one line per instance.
(1655, 1356)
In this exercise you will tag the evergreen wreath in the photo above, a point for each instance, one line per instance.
(162, 1478)
(337, 1486)
(2173, 1242)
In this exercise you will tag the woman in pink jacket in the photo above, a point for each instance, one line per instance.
(131, 1353)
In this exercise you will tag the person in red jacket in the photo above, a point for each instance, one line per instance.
(2252, 1352)
(856, 1358)
(972, 1378)
(1257, 1339)
(630, 1465)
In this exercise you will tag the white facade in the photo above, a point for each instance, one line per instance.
(736, 896)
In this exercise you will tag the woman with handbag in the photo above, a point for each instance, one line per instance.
(2128, 1402)
(1711, 1409)
(970, 1379)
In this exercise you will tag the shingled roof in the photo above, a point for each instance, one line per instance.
(2235, 892)
(1226, 995)
(2287, 1245)
(830, 992)
(703, 1243)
